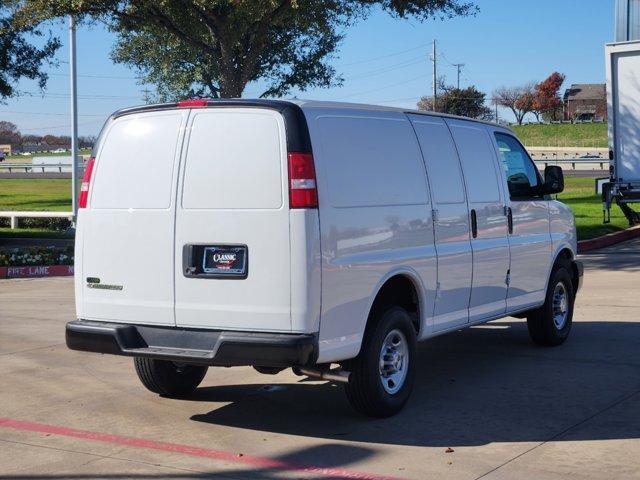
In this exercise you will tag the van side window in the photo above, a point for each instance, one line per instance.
(522, 174)
(478, 161)
(384, 148)
(442, 160)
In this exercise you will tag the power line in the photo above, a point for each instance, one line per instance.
(405, 99)
(388, 68)
(53, 127)
(385, 87)
(96, 96)
(372, 59)
(52, 114)
(110, 77)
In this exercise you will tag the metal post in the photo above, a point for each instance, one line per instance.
(74, 117)
(459, 67)
(435, 78)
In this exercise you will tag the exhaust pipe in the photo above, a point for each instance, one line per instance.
(337, 375)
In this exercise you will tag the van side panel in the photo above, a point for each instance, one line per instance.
(530, 246)
(306, 270)
(452, 227)
(127, 229)
(490, 247)
(375, 218)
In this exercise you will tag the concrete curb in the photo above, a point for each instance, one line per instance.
(37, 271)
(609, 239)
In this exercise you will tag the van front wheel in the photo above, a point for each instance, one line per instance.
(382, 375)
(169, 378)
(550, 324)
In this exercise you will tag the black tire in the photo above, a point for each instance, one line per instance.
(543, 329)
(365, 389)
(168, 378)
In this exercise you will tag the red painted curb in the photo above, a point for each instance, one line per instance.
(193, 451)
(37, 271)
(609, 239)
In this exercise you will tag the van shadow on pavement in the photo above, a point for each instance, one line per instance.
(334, 456)
(473, 387)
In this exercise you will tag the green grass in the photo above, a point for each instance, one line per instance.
(580, 195)
(55, 195)
(592, 135)
(35, 194)
(6, 232)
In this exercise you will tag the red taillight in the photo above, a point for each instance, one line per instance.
(193, 103)
(302, 181)
(86, 180)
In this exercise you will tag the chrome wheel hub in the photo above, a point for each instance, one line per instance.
(560, 306)
(394, 361)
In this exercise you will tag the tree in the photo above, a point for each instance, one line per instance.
(547, 98)
(215, 47)
(467, 102)
(6, 126)
(87, 142)
(18, 58)
(519, 100)
(9, 134)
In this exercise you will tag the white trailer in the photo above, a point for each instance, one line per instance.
(623, 98)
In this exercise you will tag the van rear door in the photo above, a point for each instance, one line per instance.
(232, 265)
(126, 232)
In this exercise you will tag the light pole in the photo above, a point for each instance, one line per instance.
(74, 117)
(459, 67)
(435, 77)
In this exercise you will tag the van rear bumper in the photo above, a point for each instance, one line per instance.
(204, 347)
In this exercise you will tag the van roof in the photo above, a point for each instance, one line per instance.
(281, 105)
(382, 108)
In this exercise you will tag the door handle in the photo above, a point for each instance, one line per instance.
(474, 223)
(510, 219)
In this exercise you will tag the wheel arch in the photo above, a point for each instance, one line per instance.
(565, 254)
(402, 287)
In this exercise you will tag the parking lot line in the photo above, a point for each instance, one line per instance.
(193, 451)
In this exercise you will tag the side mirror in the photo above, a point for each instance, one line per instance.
(553, 180)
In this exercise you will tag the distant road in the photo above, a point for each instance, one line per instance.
(586, 173)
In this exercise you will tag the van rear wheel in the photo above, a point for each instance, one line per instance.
(550, 324)
(382, 375)
(168, 378)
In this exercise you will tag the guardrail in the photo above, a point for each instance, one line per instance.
(14, 216)
(602, 162)
(34, 167)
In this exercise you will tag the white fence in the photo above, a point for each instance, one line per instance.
(14, 216)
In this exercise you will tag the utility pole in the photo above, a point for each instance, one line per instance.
(496, 102)
(74, 117)
(459, 67)
(435, 76)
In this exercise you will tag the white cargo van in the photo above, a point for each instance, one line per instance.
(311, 235)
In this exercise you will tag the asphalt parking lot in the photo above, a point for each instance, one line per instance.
(506, 408)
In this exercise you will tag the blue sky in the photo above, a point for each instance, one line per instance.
(383, 60)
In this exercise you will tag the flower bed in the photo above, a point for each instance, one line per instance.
(36, 262)
(36, 256)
